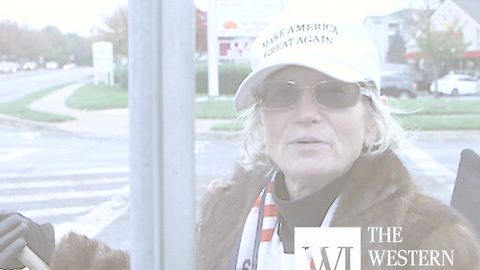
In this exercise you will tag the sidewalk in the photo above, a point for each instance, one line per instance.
(111, 123)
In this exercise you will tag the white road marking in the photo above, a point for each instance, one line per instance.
(98, 218)
(425, 162)
(74, 210)
(33, 183)
(66, 173)
(55, 196)
(17, 153)
(434, 179)
(22, 135)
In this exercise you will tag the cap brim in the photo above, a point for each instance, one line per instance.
(245, 93)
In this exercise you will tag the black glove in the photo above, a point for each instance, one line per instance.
(17, 231)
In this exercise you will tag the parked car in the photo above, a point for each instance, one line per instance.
(30, 65)
(68, 66)
(456, 84)
(51, 65)
(9, 67)
(398, 85)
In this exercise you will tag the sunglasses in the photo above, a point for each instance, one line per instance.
(328, 94)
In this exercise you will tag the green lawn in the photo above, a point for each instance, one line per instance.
(445, 113)
(20, 108)
(439, 106)
(98, 97)
(215, 107)
(440, 114)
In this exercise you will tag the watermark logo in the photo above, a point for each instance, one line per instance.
(340, 249)
(330, 248)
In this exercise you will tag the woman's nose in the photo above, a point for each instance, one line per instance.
(307, 108)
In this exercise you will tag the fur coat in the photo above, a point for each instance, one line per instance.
(77, 252)
(380, 193)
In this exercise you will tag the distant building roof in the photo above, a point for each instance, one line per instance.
(406, 15)
(471, 7)
(375, 19)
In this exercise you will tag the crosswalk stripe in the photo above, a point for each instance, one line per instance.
(33, 183)
(98, 218)
(64, 195)
(75, 210)
(11, 155)
(426, 163)
(433, 178)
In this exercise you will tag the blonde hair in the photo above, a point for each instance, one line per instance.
(389, 134)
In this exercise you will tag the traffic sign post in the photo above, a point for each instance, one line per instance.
(102, 53)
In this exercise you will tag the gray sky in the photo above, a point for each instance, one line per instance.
(78, 16)
(70, 16)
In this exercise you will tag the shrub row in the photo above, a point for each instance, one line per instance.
(230, 77)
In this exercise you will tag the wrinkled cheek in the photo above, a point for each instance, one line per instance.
(274, 151)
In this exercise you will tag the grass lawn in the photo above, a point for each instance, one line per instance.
(423, 114)
(445, 113)
(87, 97)
(215, 107)
(98, 97)
(439, 106)
(439, 114)
(20, 108)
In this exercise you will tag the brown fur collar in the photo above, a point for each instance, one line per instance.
(379, 193)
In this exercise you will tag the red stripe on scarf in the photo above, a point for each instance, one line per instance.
(267, 235)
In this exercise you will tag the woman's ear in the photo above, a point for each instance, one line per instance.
(384, 99)
(372, 129)
(370, 136)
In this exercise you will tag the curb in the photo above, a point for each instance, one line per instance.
(22, 123)
(445, 135)
(217, 135)
(48, 127)
(437, 135)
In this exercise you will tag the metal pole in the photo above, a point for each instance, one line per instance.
(212, 43)
(161, 90)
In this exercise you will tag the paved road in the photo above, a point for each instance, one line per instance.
(82, 184)
(16, 85)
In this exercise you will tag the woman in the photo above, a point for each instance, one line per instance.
(320, 150)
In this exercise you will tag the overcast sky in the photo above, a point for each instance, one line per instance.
(78, 16)
(367, 7)
(70, 16)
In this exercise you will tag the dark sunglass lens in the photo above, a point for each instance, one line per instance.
(277, 95)
(335, 94)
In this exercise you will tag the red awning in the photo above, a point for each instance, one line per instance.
(411, 56)
(472, 54)
(468, 55)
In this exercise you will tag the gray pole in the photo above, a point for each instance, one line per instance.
(161, 88)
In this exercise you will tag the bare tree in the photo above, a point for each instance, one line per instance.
(200, 31)
(115, 30)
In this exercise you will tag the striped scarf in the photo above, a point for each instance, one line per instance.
(263, 249)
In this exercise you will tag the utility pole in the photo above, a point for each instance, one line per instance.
(212, 44)
(161, 90)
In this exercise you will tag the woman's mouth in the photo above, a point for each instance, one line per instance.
(308, 140)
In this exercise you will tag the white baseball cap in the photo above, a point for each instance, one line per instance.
(324, 39)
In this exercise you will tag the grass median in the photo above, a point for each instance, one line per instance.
(20, 108)
(88, 97)
(445, 113)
